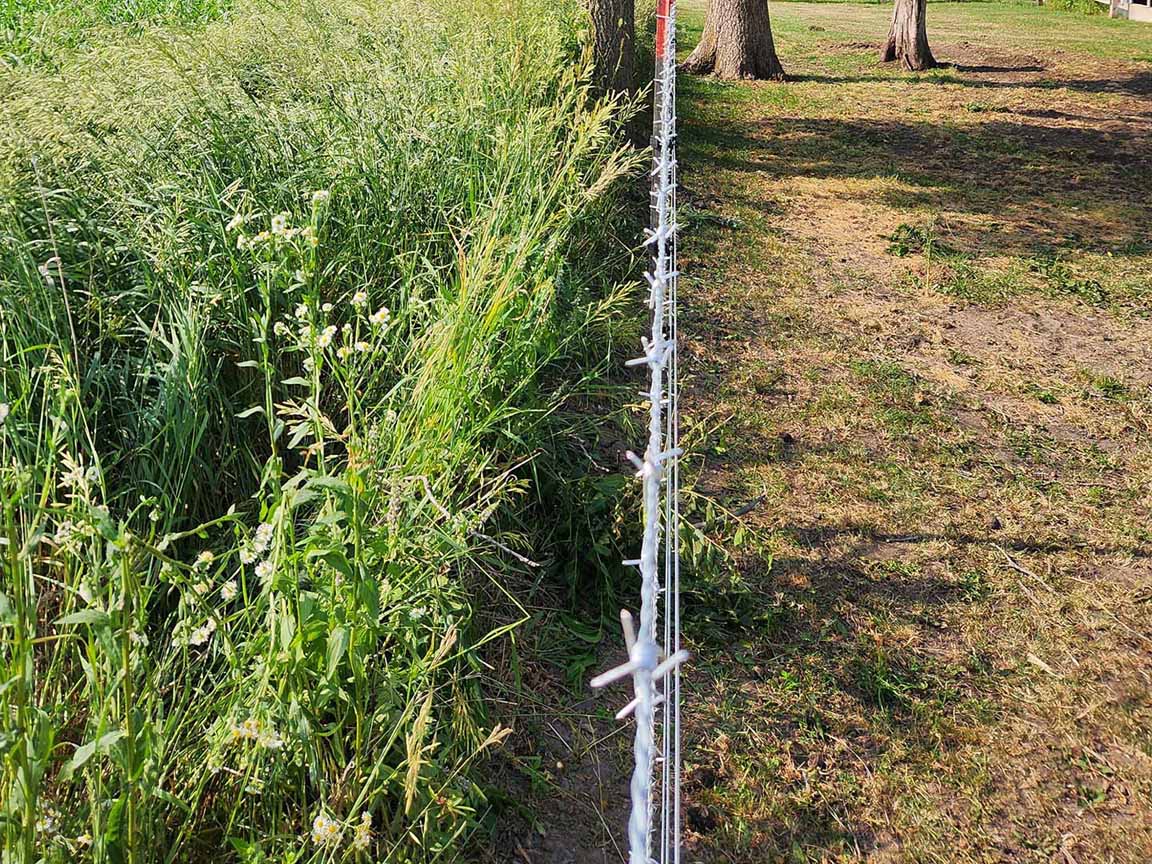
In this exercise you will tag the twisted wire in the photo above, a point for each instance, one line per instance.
(651, 662)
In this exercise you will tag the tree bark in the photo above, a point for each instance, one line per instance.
(613, 43)
(737, 42)
(908, 37)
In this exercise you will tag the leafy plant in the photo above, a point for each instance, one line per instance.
(294, 305)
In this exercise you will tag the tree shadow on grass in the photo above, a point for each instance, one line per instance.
(1137, 84)
(814, 682)
(1030, 187)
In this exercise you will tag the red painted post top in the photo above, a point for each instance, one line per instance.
(662, 27)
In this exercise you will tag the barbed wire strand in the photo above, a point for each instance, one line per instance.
(650, 662)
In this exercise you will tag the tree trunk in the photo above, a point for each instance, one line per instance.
(908, 37)
(613, 43)
(737, 42)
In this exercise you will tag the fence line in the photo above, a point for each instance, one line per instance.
(651, 662)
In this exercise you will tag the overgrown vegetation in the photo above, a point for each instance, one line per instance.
(291, 302)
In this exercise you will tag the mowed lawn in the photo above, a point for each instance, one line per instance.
(918, 345)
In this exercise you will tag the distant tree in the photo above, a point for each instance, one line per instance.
(737, 42)
(613, 43)
(908, 36)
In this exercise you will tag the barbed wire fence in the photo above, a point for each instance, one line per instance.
(654, 659)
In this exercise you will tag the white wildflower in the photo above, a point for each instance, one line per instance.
(320, 196)
(248, 554)
(4, 412)
(362, 834)
(234, 223)
(301, 312)
(264, 570)
(325, 831)
(363, 347)
(280, 329)
(200, 635)
(65, 532)
(201, 587)
(241, 242)
(262, 537)
(309, 234)
(280, 225)
(344, 352)
(309, 364)
(381, 316)
(73, 478)
(325, 338)
(229, 590)
(249, 730)
(327, 307)
(84, 840)
(204, 559)
(360, 299)
(270, 739)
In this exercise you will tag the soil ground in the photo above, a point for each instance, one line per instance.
(919, 356)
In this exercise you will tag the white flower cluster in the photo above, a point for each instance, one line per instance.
(362, 834)
(202, 634)
(327, 831)
(48, 823)
(68, 531)
(345, 340)
(76, 477)
(259, 733)
(280, 230)
(261, 543)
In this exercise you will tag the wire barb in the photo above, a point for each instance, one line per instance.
(655, 658)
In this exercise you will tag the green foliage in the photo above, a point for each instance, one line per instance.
(1082, 7)
(916, 239)
(1061, 277)
(43, 31)
(291, 302)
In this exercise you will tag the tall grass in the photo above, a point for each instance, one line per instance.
(289, 300)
